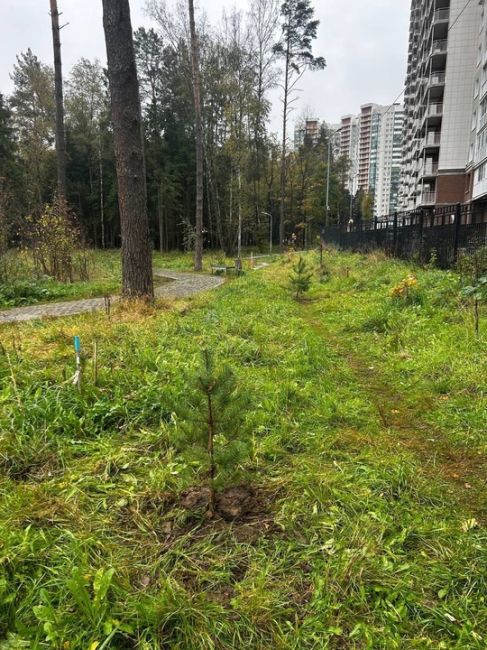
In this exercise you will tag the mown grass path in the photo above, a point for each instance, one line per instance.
(403, 424)
(180, 285)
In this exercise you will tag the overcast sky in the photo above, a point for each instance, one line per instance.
(364, 43)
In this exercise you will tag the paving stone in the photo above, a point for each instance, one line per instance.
(180, 285)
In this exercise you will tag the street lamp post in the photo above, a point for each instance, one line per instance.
(268, 214)
(328, 181)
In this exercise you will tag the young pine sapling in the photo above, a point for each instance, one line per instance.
(301, 278)
(477, 293)
(473, 271)
(214, 414)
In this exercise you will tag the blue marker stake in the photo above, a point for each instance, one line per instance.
(77, 374)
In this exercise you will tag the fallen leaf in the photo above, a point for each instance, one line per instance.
(469, 524)
(145, 581)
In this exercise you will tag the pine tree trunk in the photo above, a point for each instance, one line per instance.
(129, 151)
(161, 221)
(102, 201)
(58, 83)
(209, 201)
(282, 213)
(198, 253)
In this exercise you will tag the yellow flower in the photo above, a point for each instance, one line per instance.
(401, 290)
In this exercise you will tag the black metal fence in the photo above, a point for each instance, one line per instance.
(441, 233)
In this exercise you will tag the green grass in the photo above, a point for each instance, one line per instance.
(23, 286)
(368, 428)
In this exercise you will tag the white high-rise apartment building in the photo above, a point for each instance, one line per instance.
(443, 47)
(386, 159)
(372, 142)
(477, 168)
(349, 142)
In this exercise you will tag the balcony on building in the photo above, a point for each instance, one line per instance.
(438, 51)
(435, 80)
(440, 23)
(480, 154)
(483, 90)
(429, 168)
(441, 15)
(433, 113)
(427, 197)
(432, 140)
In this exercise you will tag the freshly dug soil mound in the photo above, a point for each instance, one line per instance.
(232, 503)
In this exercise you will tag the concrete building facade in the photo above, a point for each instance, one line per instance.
(348, 148)
(386, 160)
(443, 47)
(372, 142)
(309, 128)
(477, 159)
(368, 119)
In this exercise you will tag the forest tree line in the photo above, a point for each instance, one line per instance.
(240, 65)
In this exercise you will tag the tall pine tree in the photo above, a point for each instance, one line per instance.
(298, 30)
(195, 66)
(137, 279)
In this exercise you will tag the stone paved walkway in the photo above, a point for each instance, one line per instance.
(180, 285)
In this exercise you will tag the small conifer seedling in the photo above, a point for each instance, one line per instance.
(301, 278)
(215, 411)
(476, 293)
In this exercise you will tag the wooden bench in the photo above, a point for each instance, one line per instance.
(221, 268)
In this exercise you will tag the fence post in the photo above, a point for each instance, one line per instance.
(458, 223)
(421, 227)
(394, 236)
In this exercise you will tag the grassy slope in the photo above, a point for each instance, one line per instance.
(368, 428)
